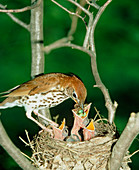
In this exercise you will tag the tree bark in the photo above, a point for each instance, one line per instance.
(38, 60)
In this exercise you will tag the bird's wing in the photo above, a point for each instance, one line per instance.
(10, 90)
(40, 84)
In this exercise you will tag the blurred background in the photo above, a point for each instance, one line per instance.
(117, 44)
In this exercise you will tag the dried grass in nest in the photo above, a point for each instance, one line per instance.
(94, 154)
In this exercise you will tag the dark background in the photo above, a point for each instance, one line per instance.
(117, 44)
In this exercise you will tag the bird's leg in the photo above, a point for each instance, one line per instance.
(45, 118)
(28, 114)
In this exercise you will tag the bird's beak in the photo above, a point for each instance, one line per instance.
(82, 106)
(79, 104)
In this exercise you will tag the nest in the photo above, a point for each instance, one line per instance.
(94, 154)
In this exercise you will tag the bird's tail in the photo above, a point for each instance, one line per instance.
(8, 102)
(9, 91)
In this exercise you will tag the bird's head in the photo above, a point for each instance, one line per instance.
(77, 91)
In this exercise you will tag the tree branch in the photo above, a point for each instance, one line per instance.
(89, 40)
(87, 36)
(121, 147)
(93, 3)
(65, 9)
(35, 4)
(97, 17)
(75, 18)
(111, 107)
(15, 19)
(36, 26)
(13, 151)
(81, 7)
(18, 21)
(56, 44)
(38, 61)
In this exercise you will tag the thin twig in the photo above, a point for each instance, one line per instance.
(15, 19)
(34, 5)
(27, 144)
(98, 15)
(111, 107)
(29, 140)
(65, 9)
(97, 114)
(75, 18)
(121, 147)
(93, 4)
(89, 39)
(18, 21)
(56, 44)
(81, 7)
(128, 156)
(108, 103)
(27, 156)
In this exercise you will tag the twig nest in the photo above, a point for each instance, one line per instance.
(49, 153)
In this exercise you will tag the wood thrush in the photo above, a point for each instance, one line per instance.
(46, 90)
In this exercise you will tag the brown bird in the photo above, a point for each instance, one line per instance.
(45, 91)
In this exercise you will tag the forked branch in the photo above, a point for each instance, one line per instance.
(88, 47)
(111, 107)
(16, 20)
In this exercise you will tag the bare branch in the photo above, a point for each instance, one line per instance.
(34, 5)
(65, 9)
(76, 4)
(81, 7)
(108, 103)
(13, 151)
(18, 21)
(93, 4)
(121, 147)
(56, 44)
(87, 36)
(101, 10)
(89, 40)
(15, 19)
(75, 19)
(91, 26)
(64, 43)
(110, 106)
(90, 36)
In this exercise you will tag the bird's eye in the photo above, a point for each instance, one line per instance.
(74, 95)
